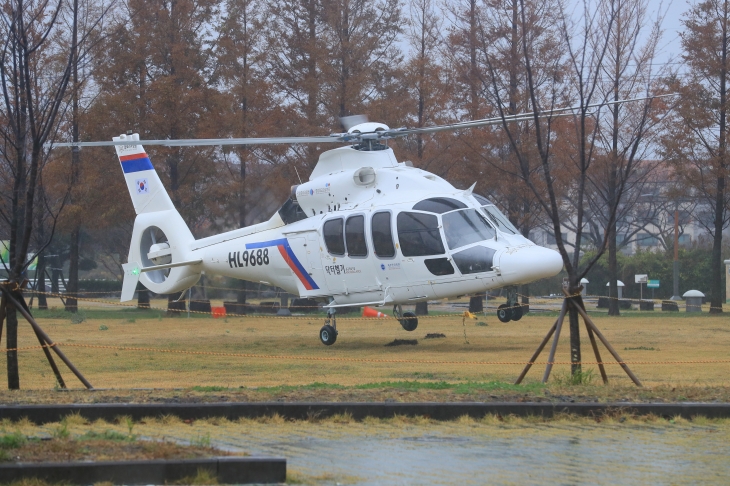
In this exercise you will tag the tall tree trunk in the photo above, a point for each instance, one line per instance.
(73, 270)
(143, 297)
(473, 77)
(11, 319)
(72, 284)
(717, 265)
(575, 357)
(613, 306)
(41, 281)
(241, 294)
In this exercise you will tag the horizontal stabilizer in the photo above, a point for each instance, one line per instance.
(133, 270)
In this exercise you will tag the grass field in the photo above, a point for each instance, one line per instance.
(269, 351)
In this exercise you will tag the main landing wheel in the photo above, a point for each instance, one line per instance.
(517, 312)
(504, 313)
(328, 335)
(409, 321)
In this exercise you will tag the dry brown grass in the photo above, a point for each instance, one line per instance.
(652, 337)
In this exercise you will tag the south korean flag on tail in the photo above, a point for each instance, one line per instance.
(142, 186)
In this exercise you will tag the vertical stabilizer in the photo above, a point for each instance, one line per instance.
(145, 188)
(160, 236)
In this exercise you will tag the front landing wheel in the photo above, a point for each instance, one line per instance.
(517, 312)
(409, 321)
(328, 335)
(504, 313)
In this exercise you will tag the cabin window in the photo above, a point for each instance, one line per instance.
(439, 205)
(465, 227)
(382, 235)
(476, 259)
(355, 236)
(439, 266)
(333, 236)
(418, 234)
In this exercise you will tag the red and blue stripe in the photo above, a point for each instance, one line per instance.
(135, 163)
(290, 258)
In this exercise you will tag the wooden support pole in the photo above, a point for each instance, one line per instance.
(45, 337)
(51, 362)
(46, 351)
(605, 342)
(59, 295)
(577, 301)
(601, 368)
(541, 346)
(33, 287)
(48, 354)
(554, 347)
(2, 316)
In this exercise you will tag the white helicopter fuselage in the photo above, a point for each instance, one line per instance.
(364, 230)
(378, 232)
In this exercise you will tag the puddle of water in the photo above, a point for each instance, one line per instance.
(582, 457)
(453, 453)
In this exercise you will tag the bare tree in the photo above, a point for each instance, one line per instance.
(34, 75)
(698, 137)
(627, 73)
(566, 148)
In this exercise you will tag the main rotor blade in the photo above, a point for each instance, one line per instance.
(355, 137)
(526, 116)
(194, 142)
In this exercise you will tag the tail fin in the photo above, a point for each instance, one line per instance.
(160, 237)
(145, 188)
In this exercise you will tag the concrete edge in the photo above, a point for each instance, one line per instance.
(41, 414)
(229, 469)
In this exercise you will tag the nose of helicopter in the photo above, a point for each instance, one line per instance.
(527, 264)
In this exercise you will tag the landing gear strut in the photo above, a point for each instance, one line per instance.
(328, 333)
(512, 310)
(408, 320)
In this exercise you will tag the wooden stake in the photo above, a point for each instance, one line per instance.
(578, 302)
(597, 353)
(554, 347)
(45, 336)
(46, 351)
(51, 362)
(2, 316)
(605, 342)
(541, 346)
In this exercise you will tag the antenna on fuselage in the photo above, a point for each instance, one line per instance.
(298, 176)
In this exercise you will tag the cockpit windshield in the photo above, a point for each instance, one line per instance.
(499, 220)
(465, 227)
(495, 216)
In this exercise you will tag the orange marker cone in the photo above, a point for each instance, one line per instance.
(370, 312)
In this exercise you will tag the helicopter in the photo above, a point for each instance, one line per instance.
(365, 229)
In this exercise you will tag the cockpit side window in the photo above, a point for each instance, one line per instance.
(439, 205)
(465, 227)
(483, 201)
(419, 235)
(355, 236)
(382, 234)
(334, 237)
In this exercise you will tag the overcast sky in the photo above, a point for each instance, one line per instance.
(672, 27)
